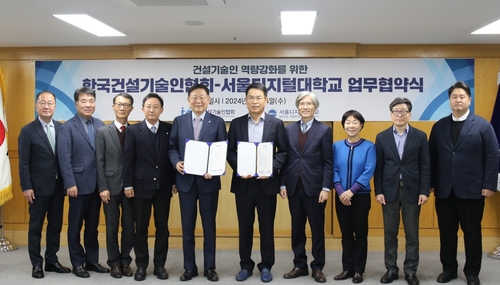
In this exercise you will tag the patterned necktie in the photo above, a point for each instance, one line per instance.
(153, 129)
(122, 128)
(90, 132)
(197, 127)
(51, 138)
(304, 127)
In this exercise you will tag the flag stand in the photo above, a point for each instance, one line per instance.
(5, 244)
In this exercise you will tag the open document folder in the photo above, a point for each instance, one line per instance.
(255, 158)
(205, 157)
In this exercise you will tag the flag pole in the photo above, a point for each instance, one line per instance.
(5, 244)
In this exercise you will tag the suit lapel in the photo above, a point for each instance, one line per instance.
(244, 128)
(267, 128)
(43, 135)
(146, 139)
(187, 123)
(469, 122)
(392, 142)
(113, 133)
(294, 136)
(205, 126)
(446, 132)
(409, 141)
(78, 124)
(312, 132)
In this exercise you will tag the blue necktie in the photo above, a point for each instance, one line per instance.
(90, 132)
(153, 129)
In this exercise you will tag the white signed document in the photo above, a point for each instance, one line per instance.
(205, 157)
(255, 159)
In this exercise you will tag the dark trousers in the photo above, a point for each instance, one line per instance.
(468, 213)
(353, 221)
(52, 207)
(303, 208)
(208, 210)
(411, 214)
(254, 198)
(142, 214)
(119, 255)
(83, 208)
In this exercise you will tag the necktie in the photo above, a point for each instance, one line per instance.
(304, 127)
(51, 138)
(121, 135)
(153, 129)
(90, 132)
(122, 128)
(197, 127)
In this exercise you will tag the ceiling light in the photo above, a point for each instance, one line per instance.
(297, 22)
(193, 23)
(89, 24)
(491, 29)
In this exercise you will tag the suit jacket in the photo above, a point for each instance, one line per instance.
(143, 166)
(109, 155)
(414, 166)
(213, 129)
(314, 162)
(274, 131)
(468, 166)
(38, 164)
(77, 156)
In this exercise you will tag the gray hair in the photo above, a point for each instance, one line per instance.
(304, 94)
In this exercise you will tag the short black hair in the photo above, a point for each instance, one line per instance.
(198, 86)
(400, 100)
(461, 85)
(44, 91)
(126, 96)
(256, 85)
(357, 115)
(152, 95)
(83, 90)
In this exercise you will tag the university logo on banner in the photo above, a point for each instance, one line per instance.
(5, 175)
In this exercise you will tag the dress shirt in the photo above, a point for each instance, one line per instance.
(256, 130)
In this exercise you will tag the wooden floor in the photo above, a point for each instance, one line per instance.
(375, 243)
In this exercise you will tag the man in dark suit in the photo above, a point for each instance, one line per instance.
(402, 184)
(42, 184)
(307, 179)
(76, 152)
(110, 143)
(256, 192)
(197, 125)
(148, 177)
(464, 167)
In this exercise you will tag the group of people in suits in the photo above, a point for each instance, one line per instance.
(134, 168)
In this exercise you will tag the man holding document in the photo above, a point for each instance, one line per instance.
(256, 152)
(195, 182)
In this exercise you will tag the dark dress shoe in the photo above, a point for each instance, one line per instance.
(357, 278)
(37, 272)
(211, 274)
(79, 271)
(57, 267)
(97, 268)
(343, 275)
(116, 271)
(388, 277)
(160, 272)
(318, 276)
(296, 272)
(446, 277)
(189, 274)
(412, 279)
(127, 271)
(140, 274)
(473, 280)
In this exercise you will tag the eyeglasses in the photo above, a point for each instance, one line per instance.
(154, 107)
(455, 98)
(400, 112)
(124, 105)
(258, 99)
(85, 101)
(48, 104)
(305, 104)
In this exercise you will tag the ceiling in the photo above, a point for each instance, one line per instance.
(30, 22)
